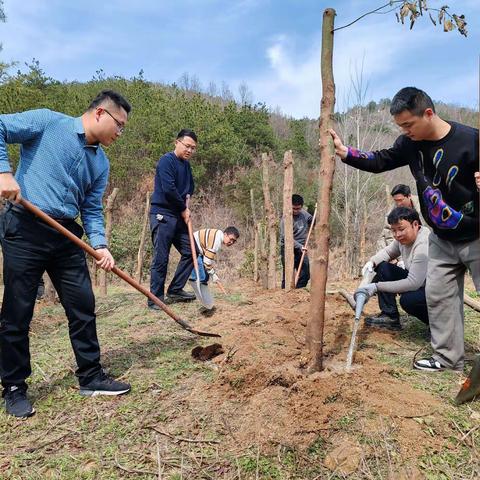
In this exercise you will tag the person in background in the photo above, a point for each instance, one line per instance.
(301, 224)
(169, 215)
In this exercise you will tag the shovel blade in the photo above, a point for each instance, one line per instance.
(202, 292)
(471, 387)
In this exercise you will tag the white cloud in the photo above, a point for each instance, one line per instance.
(389, 55)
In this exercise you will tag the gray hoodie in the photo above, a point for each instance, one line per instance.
(415, 257)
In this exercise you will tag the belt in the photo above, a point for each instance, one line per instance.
(22, 211)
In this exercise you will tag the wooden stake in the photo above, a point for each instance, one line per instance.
(255, 254)
(288, 242)
(141, 247)
(327, 168)
(108, 233)
(272, 223)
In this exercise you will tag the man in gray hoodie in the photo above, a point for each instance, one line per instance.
(301, 224)
(411, 243)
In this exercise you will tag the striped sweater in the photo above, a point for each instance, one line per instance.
(209, 242)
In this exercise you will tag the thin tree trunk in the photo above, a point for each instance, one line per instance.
(255, 255)
(363, 233)
(288, 220)
(388, 198)
(108, 232)
(252, 205)
(141, 247)
(327, 168)
(271, 223)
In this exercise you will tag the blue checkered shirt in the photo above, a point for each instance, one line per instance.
(57, 171)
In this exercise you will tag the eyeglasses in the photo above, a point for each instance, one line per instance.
(192, 148)
(120, 126)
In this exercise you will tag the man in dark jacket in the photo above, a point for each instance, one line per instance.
(169, 215)
(443, 158)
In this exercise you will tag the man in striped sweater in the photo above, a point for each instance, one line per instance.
(209, 242)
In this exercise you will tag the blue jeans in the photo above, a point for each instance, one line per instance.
(204, 276)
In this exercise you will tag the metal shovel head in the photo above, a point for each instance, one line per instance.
(471, 388)
(202, 292)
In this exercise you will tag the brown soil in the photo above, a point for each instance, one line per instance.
(262, 394)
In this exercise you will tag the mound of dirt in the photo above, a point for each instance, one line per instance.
(262, 394)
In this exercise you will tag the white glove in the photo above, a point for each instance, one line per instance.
(369, 290)
(368, 268)
(215, 278)
(401, 264)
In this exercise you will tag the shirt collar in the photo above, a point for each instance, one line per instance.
(78, 128)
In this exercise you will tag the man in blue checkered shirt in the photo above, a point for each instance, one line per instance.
(63, 171)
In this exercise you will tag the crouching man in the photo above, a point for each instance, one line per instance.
(411, 243)
(209, 242)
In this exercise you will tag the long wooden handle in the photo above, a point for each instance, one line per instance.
(299, 269)
(194, 251)
(120, 273)
(222, 288)
(192, 244)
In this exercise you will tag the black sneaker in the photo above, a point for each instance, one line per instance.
(207, 312)
(104, 384)
(180, 296)
(17, 403)
(429, 365)
(382, 320)
(153, 306)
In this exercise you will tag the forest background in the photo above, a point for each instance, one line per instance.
(233, 133)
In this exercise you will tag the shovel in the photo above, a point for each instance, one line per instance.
(201, 291)
(360, 300)
(471, 387)
(124, 276)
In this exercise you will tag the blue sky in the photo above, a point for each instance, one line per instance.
(271, 45)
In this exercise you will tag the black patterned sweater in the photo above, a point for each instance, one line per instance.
(444, 173)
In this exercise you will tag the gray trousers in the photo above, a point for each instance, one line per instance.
(447, 264)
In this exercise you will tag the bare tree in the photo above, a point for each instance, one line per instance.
(245, 94)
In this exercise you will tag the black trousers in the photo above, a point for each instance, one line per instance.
(171, 230)
(31, 247)
(304, 276)
(414, 303)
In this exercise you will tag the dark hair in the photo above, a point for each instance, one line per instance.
(232, 231)
(114, 97)
(401, 189)
(412, 99)
(402, 213)
(185, 132)
(297, 199)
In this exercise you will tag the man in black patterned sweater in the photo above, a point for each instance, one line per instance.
(443, 158)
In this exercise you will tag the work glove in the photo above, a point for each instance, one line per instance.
(215, 278)
(370, 289)
(368, 267)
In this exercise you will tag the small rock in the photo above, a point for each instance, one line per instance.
(407, 473)
(344, 459)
